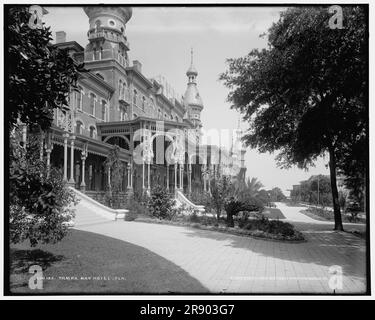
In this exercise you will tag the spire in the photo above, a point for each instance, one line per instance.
(192, 72)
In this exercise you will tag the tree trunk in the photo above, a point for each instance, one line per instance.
(230, 221)
(335, 193)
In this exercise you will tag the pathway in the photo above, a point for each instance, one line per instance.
(226, 263)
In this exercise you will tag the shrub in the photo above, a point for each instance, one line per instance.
(138, 206)
(40, 203)
(271, 226)
(161, 204)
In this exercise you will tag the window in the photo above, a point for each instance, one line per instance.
(176, 118)
(92, 104)
(159, 114)
(92, 132)
(97, 25)
(101, 53)
(79, 127)
(123, 90)
(111, 23)
(104, 110)
(135, 115)
(94, 54)
(119, 88)
(79, 96)
(143, 103)
(123, 114)
(135, 97)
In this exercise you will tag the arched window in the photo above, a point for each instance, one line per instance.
(135, 97)
(123, 90)
(94, 54)
(79, 127)
(104, 110)
(92, 104)
(92, 132)
(176, 118)
(143, 103)
(79, 96)
(101, 53)
(119, 87)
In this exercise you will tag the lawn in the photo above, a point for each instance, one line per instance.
(85, 262)
(273, 213)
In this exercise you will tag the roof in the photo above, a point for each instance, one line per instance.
(192, 96)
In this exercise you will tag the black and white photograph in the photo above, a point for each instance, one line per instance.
(185, 149)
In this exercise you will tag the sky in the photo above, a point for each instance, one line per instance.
(161, 38)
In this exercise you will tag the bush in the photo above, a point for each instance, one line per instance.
(138, 206)
(40, 208)
(271, 226)
(161, 204)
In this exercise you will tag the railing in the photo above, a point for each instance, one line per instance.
(182, 200)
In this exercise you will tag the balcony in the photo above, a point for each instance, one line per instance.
(108, 34)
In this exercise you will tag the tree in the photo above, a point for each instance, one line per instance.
(234, 206)
(115, 169)
(221, 189)
(306, 94)
(39, 208)
(276, 195)
(40, 76)
(250, 186)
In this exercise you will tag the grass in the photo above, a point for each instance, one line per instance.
(100, 264)
(273, 213)
(326, 215)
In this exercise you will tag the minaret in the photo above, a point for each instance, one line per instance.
(192, 100)
(106, 33)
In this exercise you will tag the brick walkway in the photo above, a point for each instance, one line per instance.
(235, 264)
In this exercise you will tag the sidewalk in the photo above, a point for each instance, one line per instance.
(226, 263)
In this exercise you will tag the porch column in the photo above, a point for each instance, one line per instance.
(83, 159)
(71, 180)
(182, 176)
(143, 175)
(66, 136)
(208, 179)
(167, 176)
(48, 157)
(189, 177)
(148, 177)
(129, 176)
(175, 176)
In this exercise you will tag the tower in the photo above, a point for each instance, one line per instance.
(106, 33)
(192, 100)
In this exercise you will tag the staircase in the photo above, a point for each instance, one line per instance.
(181, 200)
(89, 212)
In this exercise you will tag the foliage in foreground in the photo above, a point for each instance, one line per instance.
(39, 203)
(40, 76)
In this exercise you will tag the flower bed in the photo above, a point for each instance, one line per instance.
(281, 232)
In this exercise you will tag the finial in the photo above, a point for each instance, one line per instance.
(192, 52)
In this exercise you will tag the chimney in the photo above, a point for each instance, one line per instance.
(137, 65)
(60, 36)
